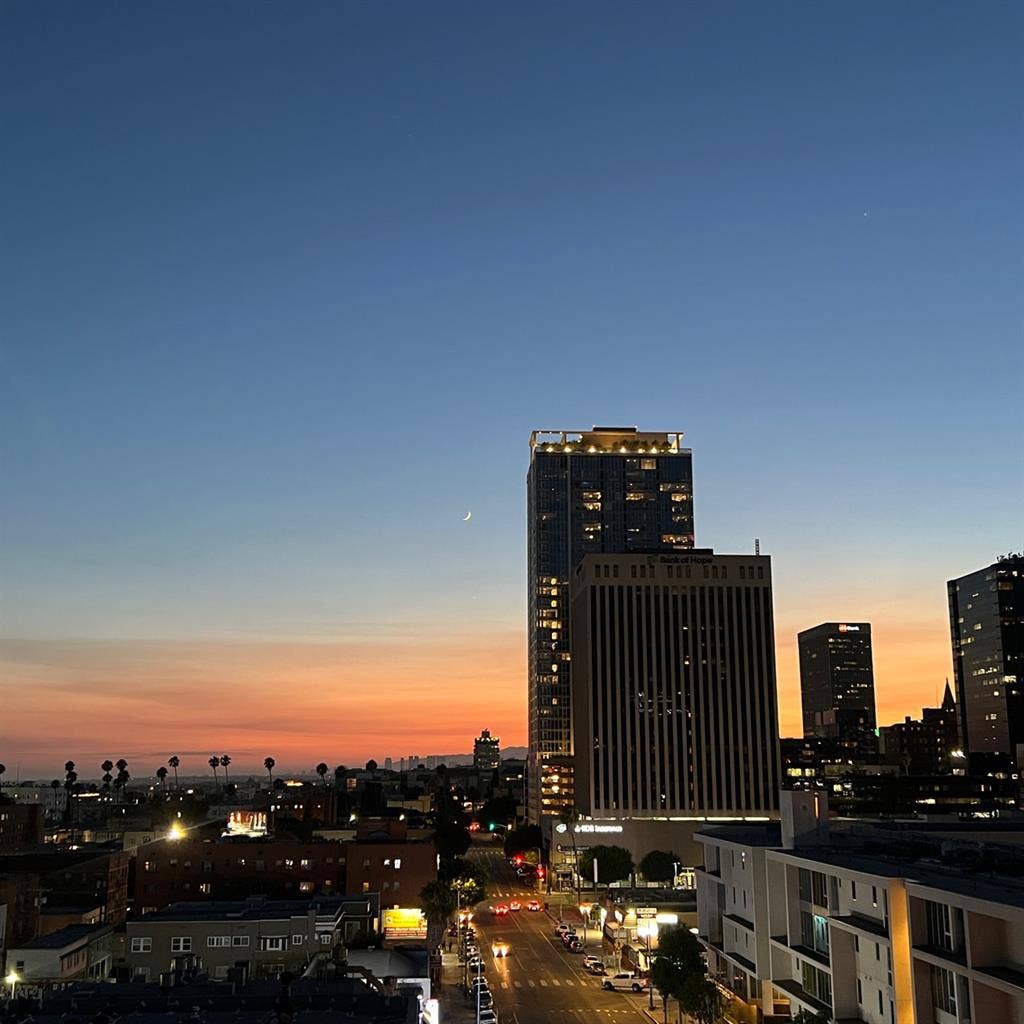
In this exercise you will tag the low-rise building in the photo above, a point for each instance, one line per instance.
(861, 922)
(76, 952)
(384, 859)
(257, 937)
(21, 826)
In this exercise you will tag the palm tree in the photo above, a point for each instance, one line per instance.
(321, 770)
(161, 774)
(437, 901)
(224, 762)
(214, 763)
(268, 763)
(70, 778)
(339, 774)
(570, 818)
(55, 786)
(121, 781)
(3, 768)
(174, 761)
(108, 767)
(122, 764)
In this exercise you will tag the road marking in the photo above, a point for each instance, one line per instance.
(531, 983)
(518, 984)
(555, 981)
(504, 984)
(543, 983)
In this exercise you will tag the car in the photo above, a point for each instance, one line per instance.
(499, 947)
(533, 905)
(515, 905)
(598, 970)
(478, 981)
(575, 946)
(589, 960)
(488, 1017)
(501, 908)
(624, 981)
(561, 929)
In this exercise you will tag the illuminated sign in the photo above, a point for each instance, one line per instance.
(404, 923)
(246, 823)
(598, 828)
(844, 628)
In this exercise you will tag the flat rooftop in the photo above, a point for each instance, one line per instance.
(609, 441)
(260, 909)
(66, 936)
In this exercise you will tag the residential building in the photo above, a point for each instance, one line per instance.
(486, 751)
(384, 859)
(177, 870)
(356, 997)
(21, 826)
(256, 936)
(605, 490)
(863, 922)
(927, 745)
(76, 952)
(837, 682)
(986, 624)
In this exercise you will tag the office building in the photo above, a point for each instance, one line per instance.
(837, 682)
(674, 686)
(486, 751)
(986, 624)
(863, 922)
(605, 490)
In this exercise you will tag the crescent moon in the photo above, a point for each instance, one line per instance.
(466, 518)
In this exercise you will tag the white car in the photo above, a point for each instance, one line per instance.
(592, 961)
(624, 981)
(488, 1017)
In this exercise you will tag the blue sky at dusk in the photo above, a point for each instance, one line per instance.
(286, 287)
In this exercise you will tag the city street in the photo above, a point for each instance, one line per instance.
(540, 981)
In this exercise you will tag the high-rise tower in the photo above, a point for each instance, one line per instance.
(837, 682)
(986, 623)
(609, 490)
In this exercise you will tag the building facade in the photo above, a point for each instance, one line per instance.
(674, 699)
(486, 751)
(853, 928)
(986, 624)
(614, 490)
(928, 744)
(257, 937)
(837, 682)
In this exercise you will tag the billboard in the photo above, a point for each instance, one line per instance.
(404, 923)
(246, 823)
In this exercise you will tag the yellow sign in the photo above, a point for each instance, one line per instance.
(404, 923)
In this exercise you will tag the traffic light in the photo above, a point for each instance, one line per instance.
(490, 828)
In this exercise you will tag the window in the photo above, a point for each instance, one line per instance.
(297, 940)
(398, 863)
(218, 941)
(239, 940)
(325, 939)
(181, 944)
(648, 463)
(860, 992)
(273, 943)
(874, 896)
(149, 865)
(205, 887)
(142, 945)
(853, 889)
(943, 989)
(945, 926)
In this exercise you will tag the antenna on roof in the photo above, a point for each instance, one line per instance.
(757, 545)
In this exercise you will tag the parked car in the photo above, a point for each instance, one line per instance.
(625, 981)
(488, 1017)
(575, 946)
(598, 970)
(589, 960)
(561, 929)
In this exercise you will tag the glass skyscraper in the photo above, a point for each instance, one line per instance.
(986, 623)
(609, 490)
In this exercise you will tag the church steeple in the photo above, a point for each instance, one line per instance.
(948, 704)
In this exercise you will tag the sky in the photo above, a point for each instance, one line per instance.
(287, 286)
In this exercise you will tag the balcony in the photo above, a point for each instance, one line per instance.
(866, 925)
(741, 921)
(797, 993)
(736, 958)
(1012, 976)
(937, 954)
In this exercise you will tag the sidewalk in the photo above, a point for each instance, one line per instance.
(456, 1006)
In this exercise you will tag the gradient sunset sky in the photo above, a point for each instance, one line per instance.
(286, 287)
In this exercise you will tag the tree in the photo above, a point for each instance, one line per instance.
(665, 977)
(499, 810)
(225, 760)
(700, 998)
(268, 763)
(437, 901)
(658, 866)
(174, 761)
(3, 768)
(613, 863)
(214, 763)
(371, 765)
(121, 781)
(520, 840)
(55, 786)
(469, 879)
(321, 770)
(70, 778)
(161, 774)
(570, 817)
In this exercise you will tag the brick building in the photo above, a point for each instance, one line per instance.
(21, 827)
(187, 869)
(382, 858)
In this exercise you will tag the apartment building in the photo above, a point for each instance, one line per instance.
(78, 952)
(257, 937)
(863, 924)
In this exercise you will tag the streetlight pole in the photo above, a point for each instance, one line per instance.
(650, 986)
(12, 979)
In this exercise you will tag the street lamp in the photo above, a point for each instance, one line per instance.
(12, 979)
(646, 930)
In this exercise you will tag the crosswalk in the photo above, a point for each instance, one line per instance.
(544, 983)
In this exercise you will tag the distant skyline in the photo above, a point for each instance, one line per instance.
(287, 288)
